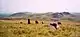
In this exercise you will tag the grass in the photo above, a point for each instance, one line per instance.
(13, 28)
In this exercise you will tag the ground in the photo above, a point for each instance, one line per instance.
(13, 28)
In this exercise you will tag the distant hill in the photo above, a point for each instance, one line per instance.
(62, 14)
(5, 14)
(21, 15)
(48, 15)
(31, 15)
(77, 16)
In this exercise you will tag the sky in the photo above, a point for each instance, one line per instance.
(40, 5)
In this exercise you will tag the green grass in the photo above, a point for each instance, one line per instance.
(10, 29)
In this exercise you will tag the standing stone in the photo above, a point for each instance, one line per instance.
(36, 22)
(42, 22)
(29, 21)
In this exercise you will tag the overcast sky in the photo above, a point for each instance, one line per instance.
(40, 5)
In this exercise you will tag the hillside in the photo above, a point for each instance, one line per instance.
(31, 15)
(41, 16)
(13, 28)
(48, 14)
(5, 14)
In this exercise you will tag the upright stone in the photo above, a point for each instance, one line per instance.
(29, 21)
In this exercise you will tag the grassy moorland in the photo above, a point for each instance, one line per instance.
(13, 28)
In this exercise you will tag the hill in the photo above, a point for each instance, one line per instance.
(46, 16)
(30, 15)
(5, 14)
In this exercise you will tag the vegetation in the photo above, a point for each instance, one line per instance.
(13, 28)
(16, 25)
